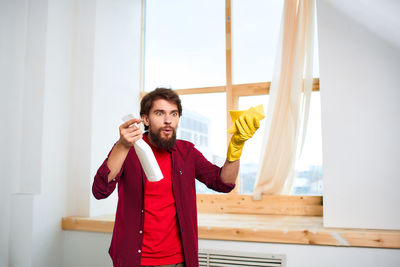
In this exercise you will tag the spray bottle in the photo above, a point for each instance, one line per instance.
(146, 156)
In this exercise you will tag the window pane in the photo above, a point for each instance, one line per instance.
(252, 149)
(184, 43)
(203, 123)
(308, 171)
(255, 33)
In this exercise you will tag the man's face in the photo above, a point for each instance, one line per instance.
(163, 121)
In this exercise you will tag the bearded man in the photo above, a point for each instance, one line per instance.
(156, 222)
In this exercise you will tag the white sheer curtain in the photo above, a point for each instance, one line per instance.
(288, 108)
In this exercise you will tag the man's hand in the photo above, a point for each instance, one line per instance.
(245, 124)
(130, 132)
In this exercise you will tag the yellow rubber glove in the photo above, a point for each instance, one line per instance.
(245, 124)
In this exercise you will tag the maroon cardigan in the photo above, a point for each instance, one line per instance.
(187, 164)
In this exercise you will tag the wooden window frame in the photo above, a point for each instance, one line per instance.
(234, 202)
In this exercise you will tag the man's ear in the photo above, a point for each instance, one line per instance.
(145, 119)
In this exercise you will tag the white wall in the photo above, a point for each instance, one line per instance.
(88, 249)
(360, 122)
(68, 72)
(23, 53)
(13, 15)
(81, 94)
(116, 79)
(50, 202)
(106, 61)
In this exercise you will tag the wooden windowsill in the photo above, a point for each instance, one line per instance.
(263, 228)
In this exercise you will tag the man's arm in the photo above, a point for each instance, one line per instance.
(129, 134)
(230, 171)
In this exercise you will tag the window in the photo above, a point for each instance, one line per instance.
(201, 124)
(188, 47)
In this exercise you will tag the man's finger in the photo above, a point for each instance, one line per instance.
(130, 122)
(132, 134)
(247, 128)
(129, 129)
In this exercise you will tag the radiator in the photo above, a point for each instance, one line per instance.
(216, 258)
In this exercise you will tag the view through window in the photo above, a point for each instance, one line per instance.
(185, 49)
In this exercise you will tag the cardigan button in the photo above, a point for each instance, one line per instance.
(140, 232)
(139, 251)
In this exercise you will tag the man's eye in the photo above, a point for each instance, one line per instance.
(175, 114)
(158, 113)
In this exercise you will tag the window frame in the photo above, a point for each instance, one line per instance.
(292, 205)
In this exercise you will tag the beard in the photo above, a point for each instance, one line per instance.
(160, 142)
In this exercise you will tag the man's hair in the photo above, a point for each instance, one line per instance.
(159, 93)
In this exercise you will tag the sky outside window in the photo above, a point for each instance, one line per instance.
(184, 44)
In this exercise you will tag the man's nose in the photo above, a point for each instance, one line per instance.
(167, 119)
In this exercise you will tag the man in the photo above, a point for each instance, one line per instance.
(156, 222)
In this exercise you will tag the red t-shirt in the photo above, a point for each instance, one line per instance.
(127, 238)
(161, 240)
